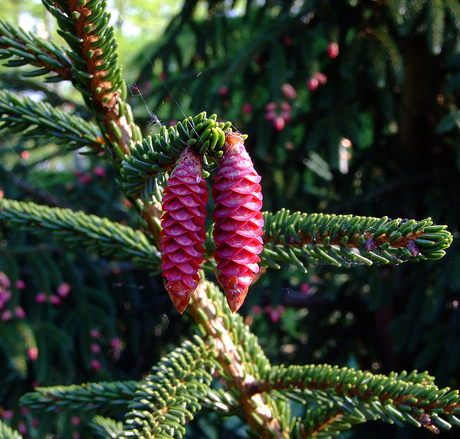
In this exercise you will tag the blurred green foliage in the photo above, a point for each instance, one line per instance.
(377, 134)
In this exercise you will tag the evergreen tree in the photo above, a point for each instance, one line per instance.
(59, 310)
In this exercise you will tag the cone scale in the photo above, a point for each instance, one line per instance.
(183, 232)
(239, 222)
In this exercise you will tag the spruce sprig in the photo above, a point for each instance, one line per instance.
(171, 394)
(26, 48)
(73, 228)
(7, 432)
(104, 397)
(22, 114)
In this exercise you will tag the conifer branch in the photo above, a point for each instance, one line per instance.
(8, 433)
(73, 228)
(171, 394)
(239, 355)
(345, 240)
(349, 397)
(26, 48)
(106, 427)
(20, 114)
(103, 396)
(97, 75)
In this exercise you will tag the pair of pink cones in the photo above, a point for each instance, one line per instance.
(237, 230)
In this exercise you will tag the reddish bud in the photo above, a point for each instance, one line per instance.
(287, 40)
(247, 108)
(4, 281)
(85, 178)
(32, 353)
(163, 76)
(271, 115)
(239, 222)
(63, 289)
(271, 106)
(40, 298)
(333, 50)
(279, 123)
(55, 300)
(99, 171)
(25, 155)
(22, 428)
(289, 91)
(96, 365)
(75, 420)
(6, 315)
(95, 333)
(313, 84)
(20, 284)
(223, 91)
(183, 234)
(35, 422)
(19, 312)
(95, 348)
(7, 414)
(321, 77)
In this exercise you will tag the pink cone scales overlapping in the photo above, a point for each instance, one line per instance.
(238, 229)
(183, 233)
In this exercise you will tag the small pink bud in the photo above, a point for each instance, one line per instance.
(6, 315)
(279, 123)
(115, 343)
(274, 316)
(75, 420)
(25, 155)
(22, 428)
(271, 106)
(7, 414)
(99, 171)
(24, 411)
(287, 40)
(256, 309)
(20, 284)
(20, 313)
(63, 289)
(35, 422)
(286, 116)
(289, 91)
(163, 76)
(75, 436)
(313, 84)
(305, 288)
(32, 353)
(247, 108)
(95, 348)
(4, 281)
(5, 296)
(321, 77)
(223, 91)
(333, 50)
(55, 300)
(285, 106)
(40, 298)
(95, 333)
(78, 173)
(1, 193)
(35, 384)
(96, 365)
(85, 178)
(172, 123)
(271, 115)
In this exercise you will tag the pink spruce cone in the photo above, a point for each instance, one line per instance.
(183, 233)
(239, 222)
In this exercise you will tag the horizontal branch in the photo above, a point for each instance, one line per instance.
(27, 48)
(73, 228)
(22, 114)
(102, 396)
